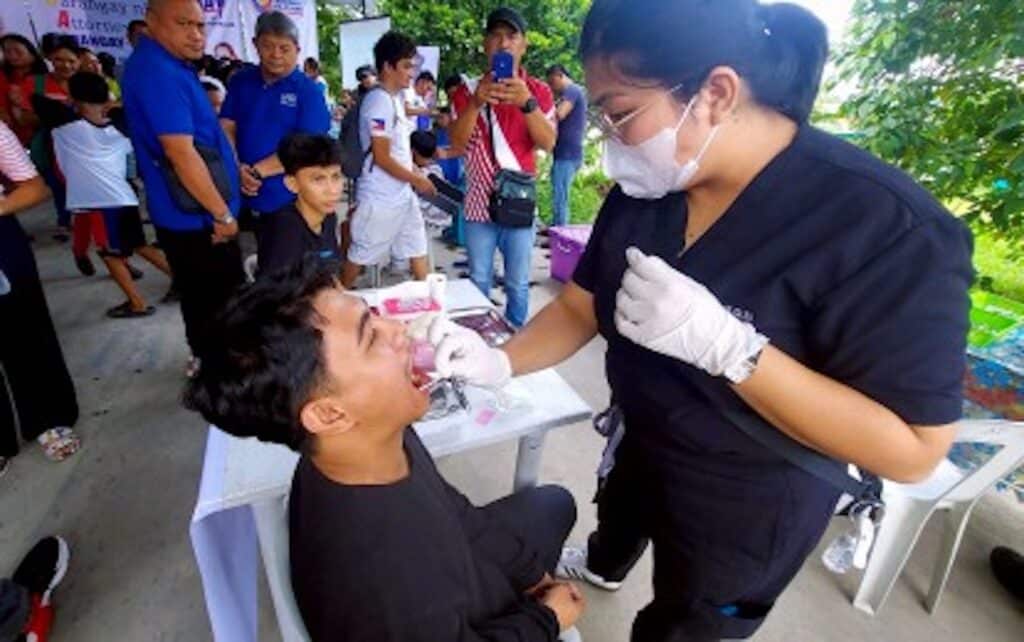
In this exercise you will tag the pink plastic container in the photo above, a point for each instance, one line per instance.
(567, 245)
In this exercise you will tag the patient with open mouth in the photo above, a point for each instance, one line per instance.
(382, 547)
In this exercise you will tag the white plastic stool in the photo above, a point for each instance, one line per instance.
(908, 507)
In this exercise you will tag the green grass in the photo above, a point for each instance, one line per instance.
(1000, 266)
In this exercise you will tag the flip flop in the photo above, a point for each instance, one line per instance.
(59, 443)
(125, 311)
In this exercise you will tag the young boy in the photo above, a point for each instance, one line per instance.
(424, 157)
(382, 548)
(93, 157)
(308, 225)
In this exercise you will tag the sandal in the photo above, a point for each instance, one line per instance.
(125, 311)
(59, 443)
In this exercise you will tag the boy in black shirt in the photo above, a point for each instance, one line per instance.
(309, 225)
(382, 548)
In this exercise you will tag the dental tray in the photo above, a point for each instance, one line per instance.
(486, 322)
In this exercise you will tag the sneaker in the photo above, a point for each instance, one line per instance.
(40, 621)
(85, 266)
(1008, 567)
(573, 566)
(43, 568)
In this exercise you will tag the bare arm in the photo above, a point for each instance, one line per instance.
(231, 131)
(380, 147)
(462, 127)
(557, 332)
(564, 108)
(23, 196)
(541, 130)
(194, 175)
(839, 421)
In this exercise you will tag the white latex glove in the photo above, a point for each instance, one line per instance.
(460, 352)
(666, 311)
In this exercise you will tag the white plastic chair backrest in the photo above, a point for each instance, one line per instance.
(951, 484)
(278, 568)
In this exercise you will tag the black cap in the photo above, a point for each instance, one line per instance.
(364, 71)
(505, 15)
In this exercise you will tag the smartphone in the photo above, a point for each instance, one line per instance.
(502, 63)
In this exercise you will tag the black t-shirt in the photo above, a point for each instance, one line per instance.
(841, 260)
(285, 239)
(410, 561)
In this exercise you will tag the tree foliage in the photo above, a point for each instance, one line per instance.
(939, 90)
(456, 26)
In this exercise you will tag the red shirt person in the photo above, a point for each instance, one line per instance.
(520, 113)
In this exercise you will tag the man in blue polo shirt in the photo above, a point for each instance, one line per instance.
(266, 103)
(171, 123)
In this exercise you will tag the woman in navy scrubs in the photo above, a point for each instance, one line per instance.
(812, 282)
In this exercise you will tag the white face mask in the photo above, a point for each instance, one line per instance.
(650, 170)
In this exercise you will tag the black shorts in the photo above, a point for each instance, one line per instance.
(124, 231)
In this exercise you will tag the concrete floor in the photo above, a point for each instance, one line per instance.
(125, 501)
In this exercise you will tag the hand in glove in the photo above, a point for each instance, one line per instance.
(461, 352)
(666, 311)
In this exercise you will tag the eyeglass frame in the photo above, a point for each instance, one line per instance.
(613, 129)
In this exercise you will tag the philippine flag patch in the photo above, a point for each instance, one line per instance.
(378, 125)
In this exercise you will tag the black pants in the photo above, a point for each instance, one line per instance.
(724, 547)
(206, 275)
(542, 516)
(42, 393)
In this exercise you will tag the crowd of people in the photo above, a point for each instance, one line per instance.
(709, 144)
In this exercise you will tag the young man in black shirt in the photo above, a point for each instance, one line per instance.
(382, 548)
(308, 225)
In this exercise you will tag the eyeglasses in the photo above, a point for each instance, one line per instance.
(612, 127)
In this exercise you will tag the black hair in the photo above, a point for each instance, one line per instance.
(262, 358)
(365, 70)
(66, 42)
(299, 151)
(558, 69)
(87, 87)
(423, 143)
(445, 109)
(133, 25)
(312, 62)
(778, 49)
(38, 64)
(108, 63)
(392, 48)
(451, 83)
(426, 75)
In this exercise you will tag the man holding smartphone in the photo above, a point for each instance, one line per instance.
(517, 112)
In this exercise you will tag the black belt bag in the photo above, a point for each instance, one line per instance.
(181, 197)
(513, 202)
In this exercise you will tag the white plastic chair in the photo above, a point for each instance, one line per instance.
(908, 507)
(271, 518)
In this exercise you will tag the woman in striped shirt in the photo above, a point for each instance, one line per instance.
(42, 400)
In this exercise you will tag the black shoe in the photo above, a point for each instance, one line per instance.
(134, 271)
(126, 311)
(172, 295)
(1008, 567)
(85, 265)
(44, 567)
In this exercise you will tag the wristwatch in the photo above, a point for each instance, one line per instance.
(530, 106)
(227, 219)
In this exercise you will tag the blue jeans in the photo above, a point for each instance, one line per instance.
(562, 173)
(516, 245)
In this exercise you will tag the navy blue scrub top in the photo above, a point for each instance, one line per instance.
(842, 261)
